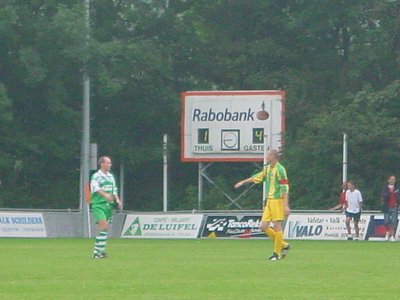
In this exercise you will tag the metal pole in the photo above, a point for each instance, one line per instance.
(121, 183)
(93, 157)
(165, 173)
(271, 113)
(85, 134)
(81, 187)
(266, 148)
(200, 186)
(344, 178)
(264, 166)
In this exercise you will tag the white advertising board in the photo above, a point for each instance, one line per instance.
(231, 126)
(185, 226)
(322, 226)
(22, 225)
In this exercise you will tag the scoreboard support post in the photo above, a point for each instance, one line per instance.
(200, 187)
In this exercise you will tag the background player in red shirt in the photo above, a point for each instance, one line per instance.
(390, 199)
(342, 198)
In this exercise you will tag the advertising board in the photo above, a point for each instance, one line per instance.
(16, 224)
(162, 226)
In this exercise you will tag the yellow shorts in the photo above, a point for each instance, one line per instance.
(273, 211)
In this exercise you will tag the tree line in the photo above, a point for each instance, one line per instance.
(338, 62)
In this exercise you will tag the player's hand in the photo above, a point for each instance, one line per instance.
(119, 204)
(238, 185)
(287, 211)
(110, 197)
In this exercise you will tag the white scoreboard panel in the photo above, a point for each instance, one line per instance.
(231, 125)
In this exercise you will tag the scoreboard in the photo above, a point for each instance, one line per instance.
(231, 125)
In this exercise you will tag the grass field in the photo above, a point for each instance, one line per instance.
(198, 269)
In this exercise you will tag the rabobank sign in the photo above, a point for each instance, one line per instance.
(210, 115)
(231, 125)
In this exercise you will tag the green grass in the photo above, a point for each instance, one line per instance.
(198, 269)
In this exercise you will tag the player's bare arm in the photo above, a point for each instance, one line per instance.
(107, 196)
(286, 207)
(118, 201)
(243, 182)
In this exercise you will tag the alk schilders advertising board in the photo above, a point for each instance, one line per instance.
(15, 224)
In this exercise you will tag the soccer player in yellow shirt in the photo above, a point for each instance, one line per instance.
(276, 208)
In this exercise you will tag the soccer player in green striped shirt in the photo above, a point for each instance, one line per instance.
(277, 205)
(104, 198)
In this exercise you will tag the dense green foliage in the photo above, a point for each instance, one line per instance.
(196, 269)
(339, 62)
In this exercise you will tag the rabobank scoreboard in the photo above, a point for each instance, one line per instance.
(231, 126)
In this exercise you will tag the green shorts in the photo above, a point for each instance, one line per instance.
(102, 211)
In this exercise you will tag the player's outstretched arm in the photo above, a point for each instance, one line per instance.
(336, 207)
(243, 182)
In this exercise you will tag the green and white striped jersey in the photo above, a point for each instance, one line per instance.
(102, 181)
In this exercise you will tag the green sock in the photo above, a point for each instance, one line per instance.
(100, 244)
